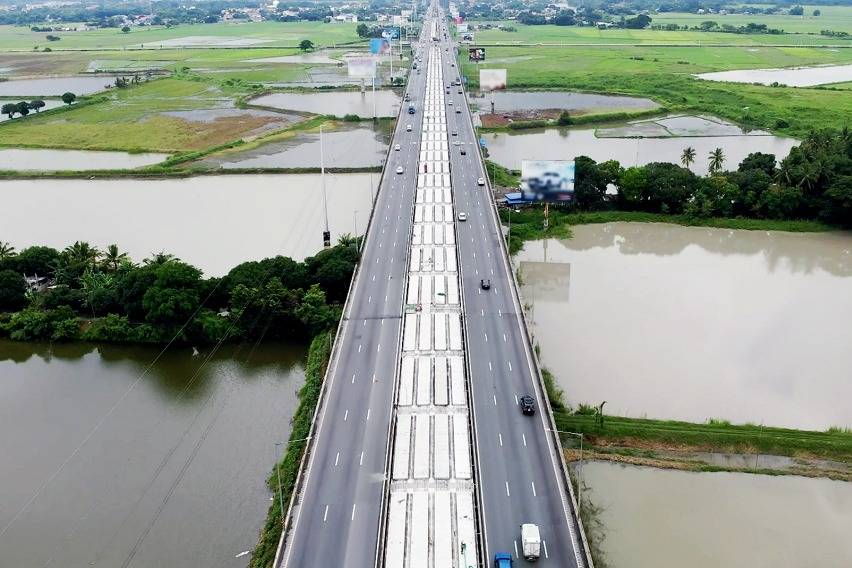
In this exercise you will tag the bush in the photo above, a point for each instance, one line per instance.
(13, 290)
(351, 118)
(112, 328)
(37, 325)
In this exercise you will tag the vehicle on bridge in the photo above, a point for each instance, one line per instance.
(411, 109)
(503, 560)
(527, 404)
(531, 541)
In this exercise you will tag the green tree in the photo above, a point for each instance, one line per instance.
(113, 258)
(125, 30)
(314, 312)
(758, 161)
(564, 119)
(37, 260)
(68, 98)
(717, 159)
(306, 45)
(13, 290)
(174, 296)
(817, 13)
(9, 109)
(159, 258)
(362, 30)
(687, 158)
(37, 105)
(98, 291)
(23, 108)
(633, 188)
(6, 250)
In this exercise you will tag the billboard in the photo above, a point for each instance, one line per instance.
(390, 33)
(476, 54)
(547, 180)
(467, 38)
(379, 46)
(492, 79)
(462, 28)
(364, 67)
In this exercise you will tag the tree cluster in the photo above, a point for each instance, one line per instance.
(23, 108)
(103, 296)
(813, 182)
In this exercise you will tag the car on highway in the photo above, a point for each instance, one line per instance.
(455, 133)
(462, 216)
(408, 127)
(463, 152)
(485, 284)
(458, 110)
(480, 181)
(527, 404)
(397, 148)
(399, 169)
(450, 102)
(456, 143)
(460, 91)
(503, 560)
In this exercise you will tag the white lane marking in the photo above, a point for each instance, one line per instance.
(359, 348)
(386, 298)
(507, 490)
(482, 313)
(374, 277)
(345, 416)
(364, 324)
(500, 436)
(370, 299)
(378, 347)
(532, 483)
(352, 518)
(361, 461)
(516, 400)
(495, 400)
(544, 545)
(486, 338)
(524, 437)
(336, 459)
(510, 365)
(504, 337)
(500, 312)
(368, 414)
(325, 515)
(492, 272)
(489, 366)
(516, 549)
(353, 378)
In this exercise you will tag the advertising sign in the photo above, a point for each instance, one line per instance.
(476, 54)
(492, 79)
(390, 33)
(547, 180)
(379, 46)
(462, 28)
(364, 67)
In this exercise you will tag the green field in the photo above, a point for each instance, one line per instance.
(267, 34)
(835, 18)
(665, 74)
(591, 35)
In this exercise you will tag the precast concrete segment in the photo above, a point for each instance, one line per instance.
(431, 499)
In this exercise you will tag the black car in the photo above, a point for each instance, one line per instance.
(527, 405)
(485, 284)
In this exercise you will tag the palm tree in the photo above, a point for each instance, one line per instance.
(688, 156)
(82, 253)
(717, 158)
(112, 258)
(159, 258)
(6, 250)
(346, 240)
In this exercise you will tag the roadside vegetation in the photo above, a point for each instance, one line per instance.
(102, 296)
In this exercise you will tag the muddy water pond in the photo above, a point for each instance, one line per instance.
(105, 465)
(706, 520)
(54, 86)
(356, 147)
(793, 77)
(33, 159)
(695, 323)
(510, 101)
(337, 104)
(213, 222)
(510, 149)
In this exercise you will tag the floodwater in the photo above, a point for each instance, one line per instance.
(565, 100)
(356, 147)
(54, 86)
(792, 77)
(212, 222)
(510, 149)
(706, 520)
(694, 323)
(104, 465)
(34, 159)
(206, 41)
(338, 104)
(48, 104)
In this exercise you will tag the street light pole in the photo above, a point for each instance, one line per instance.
(278, 473)
(580, 480)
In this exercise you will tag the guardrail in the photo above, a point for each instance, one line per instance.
(553, 435)
(297, 487)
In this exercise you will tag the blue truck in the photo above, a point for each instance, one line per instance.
(503, 560)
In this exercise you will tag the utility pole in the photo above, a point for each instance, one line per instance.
(326, 235)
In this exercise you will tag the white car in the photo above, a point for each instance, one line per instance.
(408, 127)
(456, 143)
(462, 216)
(397, 148)
(450, 102)
(480, 181)
(399, 170)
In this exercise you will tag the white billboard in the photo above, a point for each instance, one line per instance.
(364, 67)
(462, 28)
(547, 180)
(492, 79)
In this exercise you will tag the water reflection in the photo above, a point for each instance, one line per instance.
(692, 323)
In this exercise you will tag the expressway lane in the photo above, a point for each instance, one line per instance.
(519, 476)
(335, 521)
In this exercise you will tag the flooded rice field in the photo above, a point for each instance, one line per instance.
(105, 464)
(349, 147)
(509, 101)
(694, 323)
(626, 144)
(706, 520)
(386, 102)
(34, 159)
(48, 104)
(54, 86)
(212, 222)
(792, 77)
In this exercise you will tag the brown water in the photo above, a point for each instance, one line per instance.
(510, 149)
(338, 104)
(45, 160)
(54, 86)
(102, 466)
(671, 519)
(567, 100)
(213, 222)
(793, 77)
(693, 323)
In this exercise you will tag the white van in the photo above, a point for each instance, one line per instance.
(531, 539)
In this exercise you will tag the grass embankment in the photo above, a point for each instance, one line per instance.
(665, 74)
(835, 18)
(528, 223)
(318, 355)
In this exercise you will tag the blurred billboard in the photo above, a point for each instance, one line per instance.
(492, 79)
(462, 28)
(379, 46)
(364, 67)
(390, 33)
(476, 54)
(547, 180)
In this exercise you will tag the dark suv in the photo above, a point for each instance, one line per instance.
(527, 405)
